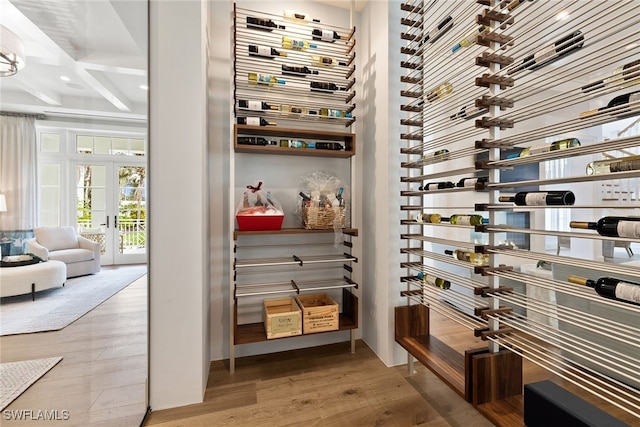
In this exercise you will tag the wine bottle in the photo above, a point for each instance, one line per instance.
(327, 35)
(471, 182)
(471, 39)
(437, 32)
(294, 44)
(468, 256)
(434, 281)
(262, 24)
(612, 226)
(611, 288)
(469, 112)
(264, 79)
(630, 163)
(255, 121)
(618, 101)
(439, 92)
(442, 154)
(255, 105)
(429, 218)
(332, 112)
(541, 198)
(329, 146)
(296, 143)
(285, 108)
(549, 54)
(326, 61)
(436, 186)
(254, 140)
(467, 220)
(556, 145)
(264, 51)
(325, 87)
(298, 17)
(622, 76)
(515, 3)
(297, 70)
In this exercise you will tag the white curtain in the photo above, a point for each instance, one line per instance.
(18, 172)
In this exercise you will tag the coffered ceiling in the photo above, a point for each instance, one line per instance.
(83, 58)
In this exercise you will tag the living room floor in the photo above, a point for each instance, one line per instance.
(101, 380)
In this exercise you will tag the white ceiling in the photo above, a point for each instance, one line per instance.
(99, 45)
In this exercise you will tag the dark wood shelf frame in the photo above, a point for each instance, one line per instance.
(347, 139)
(255, 332)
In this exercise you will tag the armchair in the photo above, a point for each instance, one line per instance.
(81, 255)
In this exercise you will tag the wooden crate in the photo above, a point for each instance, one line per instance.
(282, 318)
(319, 313)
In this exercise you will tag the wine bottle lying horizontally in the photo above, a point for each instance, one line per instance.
(264, 51)
(436, 186)
(549, 54)
(470, 39)
(289, 43)
(541, 198)
(619, 101)
(255, 140)
(434, 281)
(469, 256)
(609, 287)
(298, 17)
(445, 25)
(469, 112)
(556, 145)
(255, 121)
(612, 226)
(327, 35)
(622, 76)
(264, 79)
(262, 24)
(471, 182)
(631, 163)
(467, 220)
(429, 218)
(297, 70)
(255, 105)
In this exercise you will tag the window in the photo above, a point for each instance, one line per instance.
(110, 145)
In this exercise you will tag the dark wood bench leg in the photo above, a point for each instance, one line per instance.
(33, 292)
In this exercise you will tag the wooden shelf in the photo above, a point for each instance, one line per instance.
(347, 139)
(255, 332)
(236, 233)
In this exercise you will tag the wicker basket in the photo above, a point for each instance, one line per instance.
(320, 218)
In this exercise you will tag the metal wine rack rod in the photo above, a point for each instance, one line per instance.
(297, 286)
(423, 238)
(294, 260)
(580, 263)
(446, 310)
(589, 380)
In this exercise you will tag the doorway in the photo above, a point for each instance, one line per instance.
(112, 209)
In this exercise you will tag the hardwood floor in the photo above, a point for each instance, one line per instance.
(101, 380)
(322, 386)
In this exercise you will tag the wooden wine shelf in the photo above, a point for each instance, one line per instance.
(347, 139)
(255, 332)
(236, 233)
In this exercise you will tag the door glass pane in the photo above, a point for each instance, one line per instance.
(50, 195)
(120, 146)
(90, 196)
(132, 209)
(50, 142)
(103, 145)
(84, 144)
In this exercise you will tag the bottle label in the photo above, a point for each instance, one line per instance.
(327, 35)
(629, 229)
(264, 51)
(431, 187)
(297, 44)
(544, 54)
(253, 121)
(628, 292)
(634, 97)
(255, 105)
(264, 78)
(470, 182)
(430, 280)
(536, 199)
(624, 165)
(540, 149)
(463, 220)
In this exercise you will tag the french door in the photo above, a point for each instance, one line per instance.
(111, 209)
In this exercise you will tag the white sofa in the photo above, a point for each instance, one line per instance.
(81, 255)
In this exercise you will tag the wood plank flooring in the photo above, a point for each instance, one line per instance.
(322, 386)
(101, 380)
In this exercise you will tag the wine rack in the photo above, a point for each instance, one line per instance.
(503, 76)
(295, 101)
(293, 80)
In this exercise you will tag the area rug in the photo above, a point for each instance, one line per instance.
(16, 377)
(56, 308)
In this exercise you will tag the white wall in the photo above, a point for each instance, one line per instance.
(178, 286)
(379, 55)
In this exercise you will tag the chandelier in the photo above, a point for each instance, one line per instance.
(11, 53)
